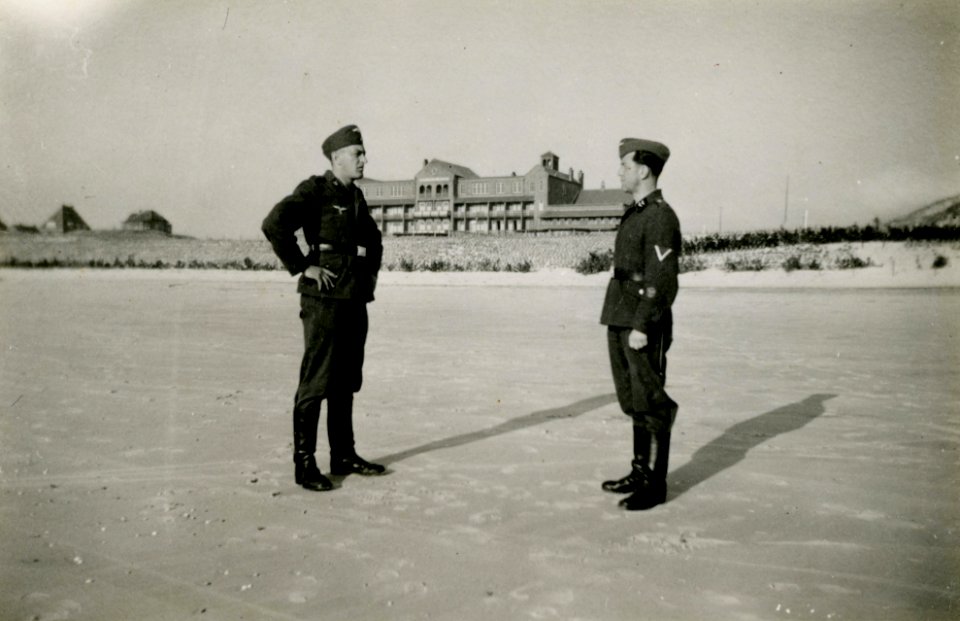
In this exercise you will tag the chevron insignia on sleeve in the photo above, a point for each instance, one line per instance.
(662, 254)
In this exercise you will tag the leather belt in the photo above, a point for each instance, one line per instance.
(346, 249)
(619, 274)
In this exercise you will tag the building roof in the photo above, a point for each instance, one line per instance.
(455, 169)
(66, 214)
(589, 198)
(550, 172)
(146, 216)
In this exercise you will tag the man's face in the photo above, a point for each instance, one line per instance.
(349, 161)
(631, 173)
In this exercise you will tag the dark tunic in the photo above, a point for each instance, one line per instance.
(328, 213)
(639, 297)
(646, 264)
(335, 221)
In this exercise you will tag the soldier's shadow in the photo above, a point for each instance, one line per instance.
(733, 445)
(530, 420)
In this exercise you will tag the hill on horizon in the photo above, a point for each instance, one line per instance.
(944, 212)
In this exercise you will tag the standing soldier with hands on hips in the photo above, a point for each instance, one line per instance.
(338, 278)
(639, 320)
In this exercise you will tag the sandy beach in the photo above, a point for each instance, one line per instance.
(145, 467)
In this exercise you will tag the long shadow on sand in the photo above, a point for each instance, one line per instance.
(530, 420)
(731, 447)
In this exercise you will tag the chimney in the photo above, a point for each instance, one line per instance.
(425, 161)
(571, 173)
(603, 185)
(580, 177)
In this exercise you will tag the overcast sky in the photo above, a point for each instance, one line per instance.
(210, 111)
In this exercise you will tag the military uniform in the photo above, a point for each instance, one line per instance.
(639, 297)
(342, 237)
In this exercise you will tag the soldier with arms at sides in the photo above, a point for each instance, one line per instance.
(337, 280)
(639, 320)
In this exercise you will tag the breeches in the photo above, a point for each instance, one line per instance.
(334, 335)
(639, 377)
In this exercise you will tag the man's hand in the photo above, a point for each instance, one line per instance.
(325, 277)
(637, 339)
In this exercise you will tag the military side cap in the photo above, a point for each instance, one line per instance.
(343, 137)
(658, 150)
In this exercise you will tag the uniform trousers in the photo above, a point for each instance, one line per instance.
(640, 375)
(334, 334)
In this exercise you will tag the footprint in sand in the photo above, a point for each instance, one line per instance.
(305, 588)
(485, 517)
(49, 610)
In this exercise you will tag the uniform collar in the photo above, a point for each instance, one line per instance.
(336, 185)
(653, 197)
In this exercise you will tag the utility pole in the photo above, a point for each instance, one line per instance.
(786, 203)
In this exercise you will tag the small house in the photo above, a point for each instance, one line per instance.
(65, 220)
(147, 221)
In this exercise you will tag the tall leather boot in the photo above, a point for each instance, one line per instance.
(306, 473)
(639, 465)
(343, 456)
(654, 491)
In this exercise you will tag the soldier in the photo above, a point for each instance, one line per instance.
(636, 311)
(338, 277)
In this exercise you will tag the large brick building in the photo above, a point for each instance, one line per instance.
(445, 199)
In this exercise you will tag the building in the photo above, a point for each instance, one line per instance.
(594, 210)
(448, 199)
(147, 221)
(65, 220)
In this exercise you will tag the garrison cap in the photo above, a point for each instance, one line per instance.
(656, 149)
(343, 137)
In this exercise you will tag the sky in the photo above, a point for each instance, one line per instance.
(777, 112)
